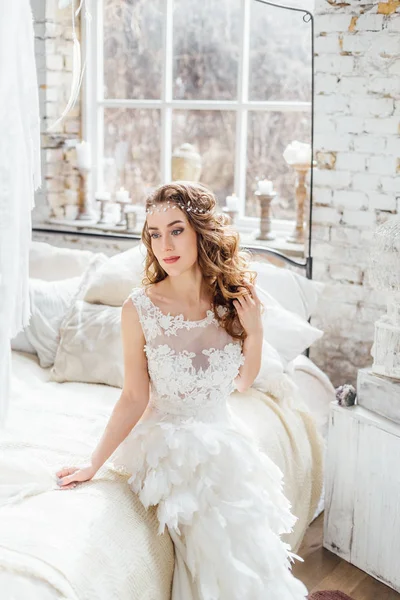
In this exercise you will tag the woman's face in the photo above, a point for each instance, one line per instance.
(172, 236)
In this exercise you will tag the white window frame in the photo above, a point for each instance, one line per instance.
(94, 103)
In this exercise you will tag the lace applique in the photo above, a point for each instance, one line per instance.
(155, 322)
(180, 388)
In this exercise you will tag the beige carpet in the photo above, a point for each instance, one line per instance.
(329, 595)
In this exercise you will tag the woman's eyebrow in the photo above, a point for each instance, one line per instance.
(169, 224)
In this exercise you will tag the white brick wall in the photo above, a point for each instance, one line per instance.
(357, 125)
(53, 49)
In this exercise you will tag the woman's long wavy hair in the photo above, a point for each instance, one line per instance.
(224, 266)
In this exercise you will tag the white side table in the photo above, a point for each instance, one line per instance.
(362, 480)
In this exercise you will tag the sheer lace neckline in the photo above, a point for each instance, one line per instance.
(209, 318)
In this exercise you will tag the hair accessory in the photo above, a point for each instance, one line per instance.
(189, 208)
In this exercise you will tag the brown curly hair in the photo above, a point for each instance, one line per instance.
(224, 266)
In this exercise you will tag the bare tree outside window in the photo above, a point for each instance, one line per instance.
(205, 62)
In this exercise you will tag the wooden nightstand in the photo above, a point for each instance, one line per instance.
(362, 479)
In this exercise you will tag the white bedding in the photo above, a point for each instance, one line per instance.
(97, 542)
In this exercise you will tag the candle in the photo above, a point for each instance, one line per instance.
(265, 187)
(297, 153)
(122, 195)
(232, 202)
(102, 196)
(83, 155)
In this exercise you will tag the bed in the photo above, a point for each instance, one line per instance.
(97, 542)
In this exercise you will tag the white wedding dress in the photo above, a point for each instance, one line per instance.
(218, 494)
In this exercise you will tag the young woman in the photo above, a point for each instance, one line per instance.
(191, 336)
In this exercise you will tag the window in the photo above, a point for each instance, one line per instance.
(230, 77)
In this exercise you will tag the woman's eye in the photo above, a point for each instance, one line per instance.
(174, 231)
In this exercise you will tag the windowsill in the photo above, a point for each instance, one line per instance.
(248, 228)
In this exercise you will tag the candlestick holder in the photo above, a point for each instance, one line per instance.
(131, 220)
(85, 209)
(122, 205)
(301, 170)
(265, 219)
(232, 214)
(102, 220)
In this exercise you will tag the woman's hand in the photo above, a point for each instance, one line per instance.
(70, 476)
(248, 308)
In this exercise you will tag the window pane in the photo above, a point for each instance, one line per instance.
(206, 49)
(280, 54)
(131, 150)
(212, 132)
(133, 60)
(268, 135)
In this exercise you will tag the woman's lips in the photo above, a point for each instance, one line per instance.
(171, 260)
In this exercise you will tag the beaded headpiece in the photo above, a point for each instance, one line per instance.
(176, 204)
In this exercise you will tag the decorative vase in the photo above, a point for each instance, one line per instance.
(186, 163)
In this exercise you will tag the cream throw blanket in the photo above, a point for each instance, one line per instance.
(97, 542)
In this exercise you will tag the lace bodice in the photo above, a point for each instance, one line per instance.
(192, 364)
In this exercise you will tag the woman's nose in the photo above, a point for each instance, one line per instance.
(167, 245)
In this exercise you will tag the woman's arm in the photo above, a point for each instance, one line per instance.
(248, 308)
(252, 349)
(130, 406)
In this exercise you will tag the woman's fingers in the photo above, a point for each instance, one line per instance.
(66, 471)
(68, 487)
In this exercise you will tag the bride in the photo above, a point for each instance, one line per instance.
(191, 336)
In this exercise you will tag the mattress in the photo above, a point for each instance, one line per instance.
(97, 541)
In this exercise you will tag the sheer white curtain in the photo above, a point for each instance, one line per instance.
(19, 175)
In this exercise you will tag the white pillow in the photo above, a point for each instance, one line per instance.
(293, 291)
(51, 263)
(21, 343)
(113, 282)
(284, 330)
(50, 301)
(90, 349)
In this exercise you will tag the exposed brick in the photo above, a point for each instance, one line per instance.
(349, 124)
(328, 63)
(330, 23)
(382, 202)
(326, 215)
(369, 143)
(54, 62)
(327, 44)
(353, 274)
(385, 165)
(332, 104)
(369, 22)
(349, 199)
(382, 126)
(350, 161)
(333, 142)
(375, 107)
(358, 218)
(333, 179)
(366, 182)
